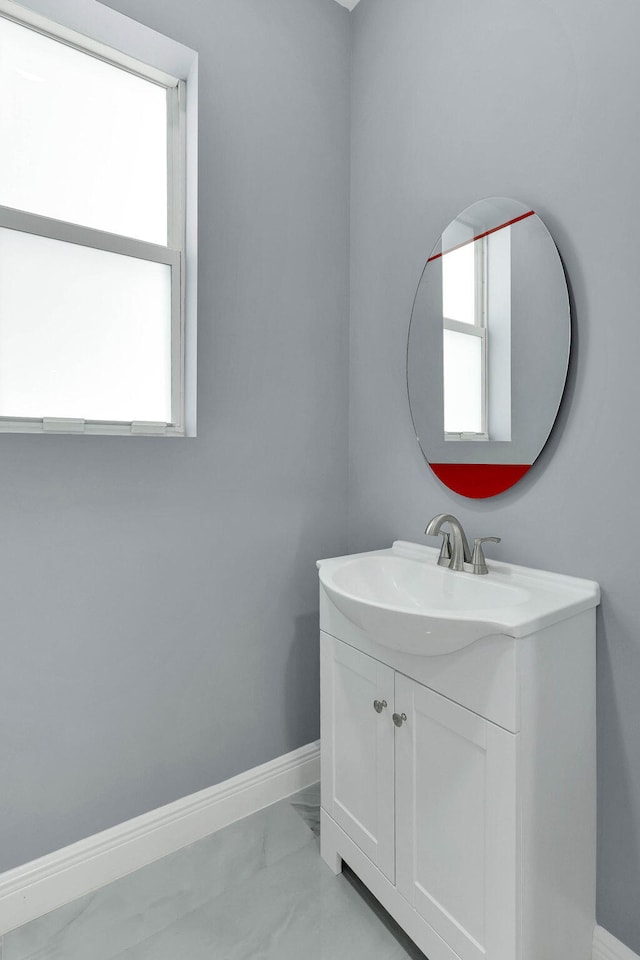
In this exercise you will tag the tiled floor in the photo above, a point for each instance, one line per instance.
(257, 890)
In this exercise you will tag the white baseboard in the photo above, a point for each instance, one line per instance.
(38, 887)
(606, 947)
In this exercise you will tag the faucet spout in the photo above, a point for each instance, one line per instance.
(460, 552)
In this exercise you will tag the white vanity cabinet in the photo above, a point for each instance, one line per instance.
(471, 816)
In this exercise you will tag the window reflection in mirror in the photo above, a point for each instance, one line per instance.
(476, 312)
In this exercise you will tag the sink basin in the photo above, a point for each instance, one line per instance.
(404, 600)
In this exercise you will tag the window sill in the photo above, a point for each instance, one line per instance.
(56, 426)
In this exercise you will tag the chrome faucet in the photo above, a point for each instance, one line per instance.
(455, 553)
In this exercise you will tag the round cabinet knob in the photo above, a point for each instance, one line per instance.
(399, 719)
(379, 705)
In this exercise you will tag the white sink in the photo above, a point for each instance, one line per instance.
(404, 600)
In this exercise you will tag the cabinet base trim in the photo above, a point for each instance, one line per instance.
(606, 947)
(30, 891)
(335, 844)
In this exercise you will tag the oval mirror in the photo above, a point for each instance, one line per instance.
(488, 347)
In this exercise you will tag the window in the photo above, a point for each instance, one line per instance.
(476, 335)
(464, 308)
(97, 257)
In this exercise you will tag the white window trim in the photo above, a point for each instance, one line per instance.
(93, 27)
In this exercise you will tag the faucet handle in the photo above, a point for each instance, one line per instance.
(478, 561)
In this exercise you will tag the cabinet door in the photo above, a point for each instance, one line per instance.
(357, 749)
(456, 822)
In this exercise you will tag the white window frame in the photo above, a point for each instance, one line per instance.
(476, 329)
(95, 29)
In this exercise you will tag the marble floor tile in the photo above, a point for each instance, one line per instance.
(257, 890)
(307, 804)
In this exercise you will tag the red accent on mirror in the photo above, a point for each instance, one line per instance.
(465, 243)
(479, 480)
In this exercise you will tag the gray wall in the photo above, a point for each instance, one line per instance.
(452, 101)
(159, 612)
